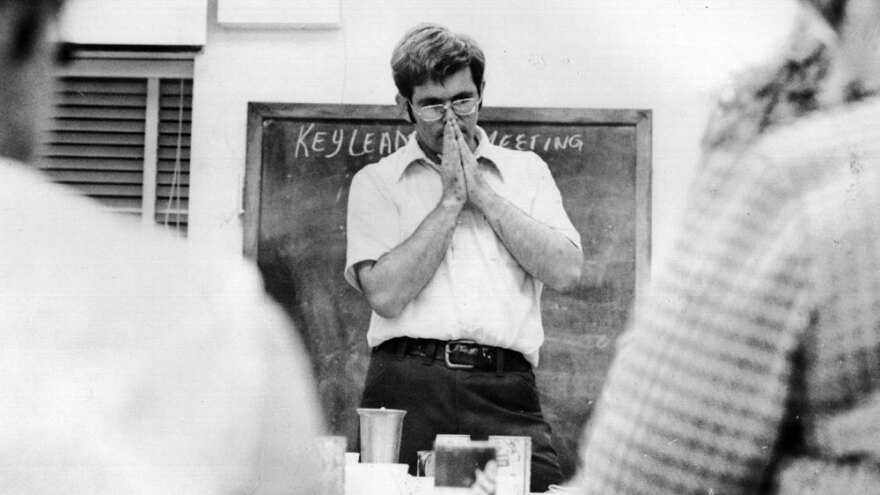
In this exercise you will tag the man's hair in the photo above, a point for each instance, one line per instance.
(429, 52)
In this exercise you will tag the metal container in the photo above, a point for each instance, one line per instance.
(380, 434)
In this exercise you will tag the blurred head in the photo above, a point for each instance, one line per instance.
(833, 58)
(433, 66)
(857, 25)
(831, 10)
(26, 57)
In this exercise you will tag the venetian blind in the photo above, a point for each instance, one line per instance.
(175, 117)
(124, 141)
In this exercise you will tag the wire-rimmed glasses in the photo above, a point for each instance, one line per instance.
(431, 113)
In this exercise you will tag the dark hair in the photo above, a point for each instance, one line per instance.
(429, 52)
(47, 6)
(787, 88)
(778, 92)
(831, 10)
(33, 18)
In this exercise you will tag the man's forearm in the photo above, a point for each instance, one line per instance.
(542, 251)
(399, 275)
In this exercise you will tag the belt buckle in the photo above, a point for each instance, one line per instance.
(456, 366)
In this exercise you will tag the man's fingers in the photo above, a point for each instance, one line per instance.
(460, 141)
(450, 144)
(457, 129)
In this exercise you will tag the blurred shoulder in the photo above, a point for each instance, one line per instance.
(165, 365)
(113, 267)
(813, 146)
(793, 159)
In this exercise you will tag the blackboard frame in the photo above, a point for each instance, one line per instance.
(566, 415)
(641, 120)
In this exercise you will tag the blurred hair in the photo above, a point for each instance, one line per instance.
(831, 10)
(772, 94)
(33, 17)
(791, 86)
(430, 52)
(48, 6)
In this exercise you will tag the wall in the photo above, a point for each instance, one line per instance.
(136, 22)
(666, 55)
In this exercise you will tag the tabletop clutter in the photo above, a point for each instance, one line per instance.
(448, 469)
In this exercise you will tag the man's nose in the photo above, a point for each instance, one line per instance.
(448, 114)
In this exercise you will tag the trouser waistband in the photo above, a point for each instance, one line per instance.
(457, 354)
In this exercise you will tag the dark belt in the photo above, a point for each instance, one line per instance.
(457, 354)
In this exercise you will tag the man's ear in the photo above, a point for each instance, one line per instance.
(404, 108)
(482, 87)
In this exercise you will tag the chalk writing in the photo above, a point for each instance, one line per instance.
(533, 142)
(311, 142)
(542, 61)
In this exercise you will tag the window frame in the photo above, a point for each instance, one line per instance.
(152, 66)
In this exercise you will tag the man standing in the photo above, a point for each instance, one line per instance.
(451, 240)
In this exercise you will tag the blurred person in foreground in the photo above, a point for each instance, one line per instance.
(129, 362)
(754, 364)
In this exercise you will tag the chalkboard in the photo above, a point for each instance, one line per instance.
(300, 162)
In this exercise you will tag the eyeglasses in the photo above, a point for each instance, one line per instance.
(463, 107)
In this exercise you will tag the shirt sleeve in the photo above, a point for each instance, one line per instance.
(547, 204)
(696, 396)
(372, 223)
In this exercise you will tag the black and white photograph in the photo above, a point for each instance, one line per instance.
(424, 247)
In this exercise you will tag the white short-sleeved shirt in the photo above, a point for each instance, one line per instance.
(479, 291)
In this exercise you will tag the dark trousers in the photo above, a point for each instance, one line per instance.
(479, 403)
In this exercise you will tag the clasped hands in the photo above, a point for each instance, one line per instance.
(462, 180)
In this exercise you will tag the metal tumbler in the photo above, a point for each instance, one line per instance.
(380, 434)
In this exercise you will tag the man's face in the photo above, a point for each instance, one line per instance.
(457, 86)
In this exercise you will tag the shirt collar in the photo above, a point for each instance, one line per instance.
(486, 152)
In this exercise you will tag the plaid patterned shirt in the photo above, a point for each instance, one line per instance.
(753, 365)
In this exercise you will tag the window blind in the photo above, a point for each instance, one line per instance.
(124, 142)
(175, 118)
